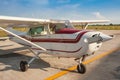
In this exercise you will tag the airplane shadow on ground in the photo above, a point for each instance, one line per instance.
(116, 72)
(63, 69)
(12, 61)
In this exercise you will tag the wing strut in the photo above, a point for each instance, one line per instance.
(23, 39)
(86, 25)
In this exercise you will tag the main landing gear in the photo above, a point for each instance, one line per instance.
(81, 67)
(24, 64)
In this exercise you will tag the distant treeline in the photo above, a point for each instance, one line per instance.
(106, 24)
(100, 26)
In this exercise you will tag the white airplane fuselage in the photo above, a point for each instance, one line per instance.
(66, 44)
(55, 37)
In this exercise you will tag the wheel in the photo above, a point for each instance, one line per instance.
(81, 68)
(23, 66)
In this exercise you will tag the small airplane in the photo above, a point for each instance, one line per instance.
(55, 37)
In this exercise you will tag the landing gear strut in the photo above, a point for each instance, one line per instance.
(81, 67)
(24, 64)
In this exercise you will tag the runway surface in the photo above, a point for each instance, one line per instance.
(104, 68)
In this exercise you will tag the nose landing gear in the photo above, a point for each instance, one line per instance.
(81, 67)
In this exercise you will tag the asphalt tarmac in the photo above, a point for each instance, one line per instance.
(105, 68)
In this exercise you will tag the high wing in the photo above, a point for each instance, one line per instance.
(18, 20)
(21, 19)
(8, 20)
(88, 21)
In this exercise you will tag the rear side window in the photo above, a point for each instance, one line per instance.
(36, 30)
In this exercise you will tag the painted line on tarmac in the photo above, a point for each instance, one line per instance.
(61, 73)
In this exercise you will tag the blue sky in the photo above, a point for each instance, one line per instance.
(62, 9)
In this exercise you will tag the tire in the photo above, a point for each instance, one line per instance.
(81, 68)
(23, 66)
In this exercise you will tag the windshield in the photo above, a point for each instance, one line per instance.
(68, 24)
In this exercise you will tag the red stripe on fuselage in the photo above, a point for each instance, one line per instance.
(60, 50)
(58, 40)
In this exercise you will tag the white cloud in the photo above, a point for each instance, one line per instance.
(98, 15)
(63, 1)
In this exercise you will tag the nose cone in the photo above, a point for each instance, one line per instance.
(106, 37)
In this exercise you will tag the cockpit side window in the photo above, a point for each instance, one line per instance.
(34, 31)
(57, 27)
